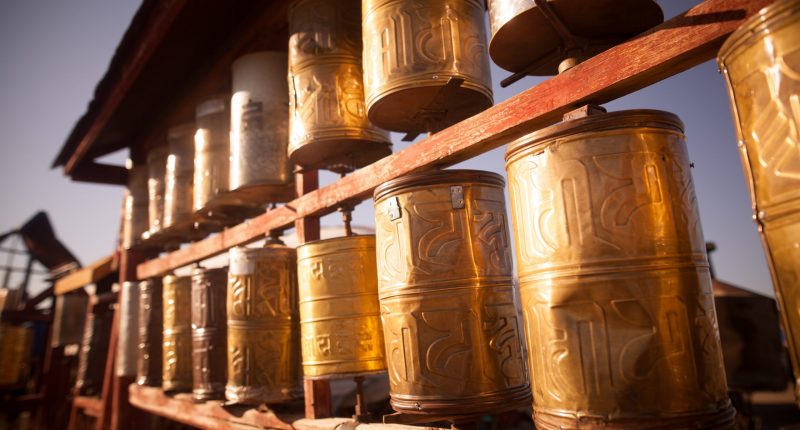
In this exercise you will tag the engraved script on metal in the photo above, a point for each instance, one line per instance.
(149, 365)
(341, 333)
(209, 333)
(614, 278)
(447, 298)
(328, 125)
(761, 64)
(177, 356)
(263, 332)
(412, 49)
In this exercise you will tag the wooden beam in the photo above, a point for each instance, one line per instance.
(678, 44)
(85, 276)
(101, 173)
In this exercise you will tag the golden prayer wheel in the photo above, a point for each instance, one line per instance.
(614, 279)
(260, 170)
(156, 172)
(446, 294)
(179, 217)
(425, 63)
(128, 334)
(177, 356)
(15, 347)
(151, 316)
(525, 38)
(341, 334)
(761, 64)
(209, 334)
(135, 215)
(328, 125)
(263, 332)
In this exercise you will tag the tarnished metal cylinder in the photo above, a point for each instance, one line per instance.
(412, 49)
(263, 332)
(525, 40)
(341, 333)
(446, 294)
(614, 278)
(260, 167)
(212, 153)
(128, 335)
(15, 348)
(328, 125)
(176, 374)
(94, 348)
(135, 215)
(179, 179)
(68, 319)
(761, 64)
(156, 172)
(151, 317)
(209, 333)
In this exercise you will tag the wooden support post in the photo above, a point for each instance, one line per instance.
(317, 393)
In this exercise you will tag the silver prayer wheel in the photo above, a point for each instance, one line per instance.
(156, 172)
(209, 333)
(151, 316)
(260, 171)
(135, 213)
(328, 125)
(128, 335)
(68, 319)
(179, 219)
(426, 66)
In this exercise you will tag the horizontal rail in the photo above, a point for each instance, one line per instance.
(674, 46)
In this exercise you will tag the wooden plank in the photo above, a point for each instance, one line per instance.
(91, 405)
(679, 44)
(101, 173)
(85, 276)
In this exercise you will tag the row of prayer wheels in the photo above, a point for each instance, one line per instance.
(614, 283)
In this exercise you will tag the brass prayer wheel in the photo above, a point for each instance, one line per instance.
(525, 38)
(15, 347)
(614, 279)
(94, 347)
(209, 334)
(179, 189)
(263, 332)
(156, 172)
(151, 317)
(426, 65)
(260, 170)
(177, 365)
(135, 215)
(328, 125)
(452, 339)
(761, 65)
(128, 334)
(341, 333)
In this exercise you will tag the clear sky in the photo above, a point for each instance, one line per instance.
(53, 53)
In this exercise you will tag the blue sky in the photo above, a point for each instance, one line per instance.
(53, 53)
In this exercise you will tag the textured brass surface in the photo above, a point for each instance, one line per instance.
(521, 35)
(176, 373)
(135, 215)
(328, 125)
(156, 172)
(411, 49)
(263, 332)
(94, 350)
(209, 333)
(341, 333)
(260, 170)
(128, 334)
(446, 294)
(614, 281)
(761, 64)
(179, 184)
(151, 317)
(15, 347)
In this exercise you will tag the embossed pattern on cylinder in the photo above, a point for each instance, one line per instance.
(135, 215)
(614, 279)
(341, 333)
(412, 49)
(328, 125)
(151, 316)
(209, 333)
(761, 64)
(263, 332)
(260, 168)
(179, 180)
(156, 172)
(446, 294)
(177, 355)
